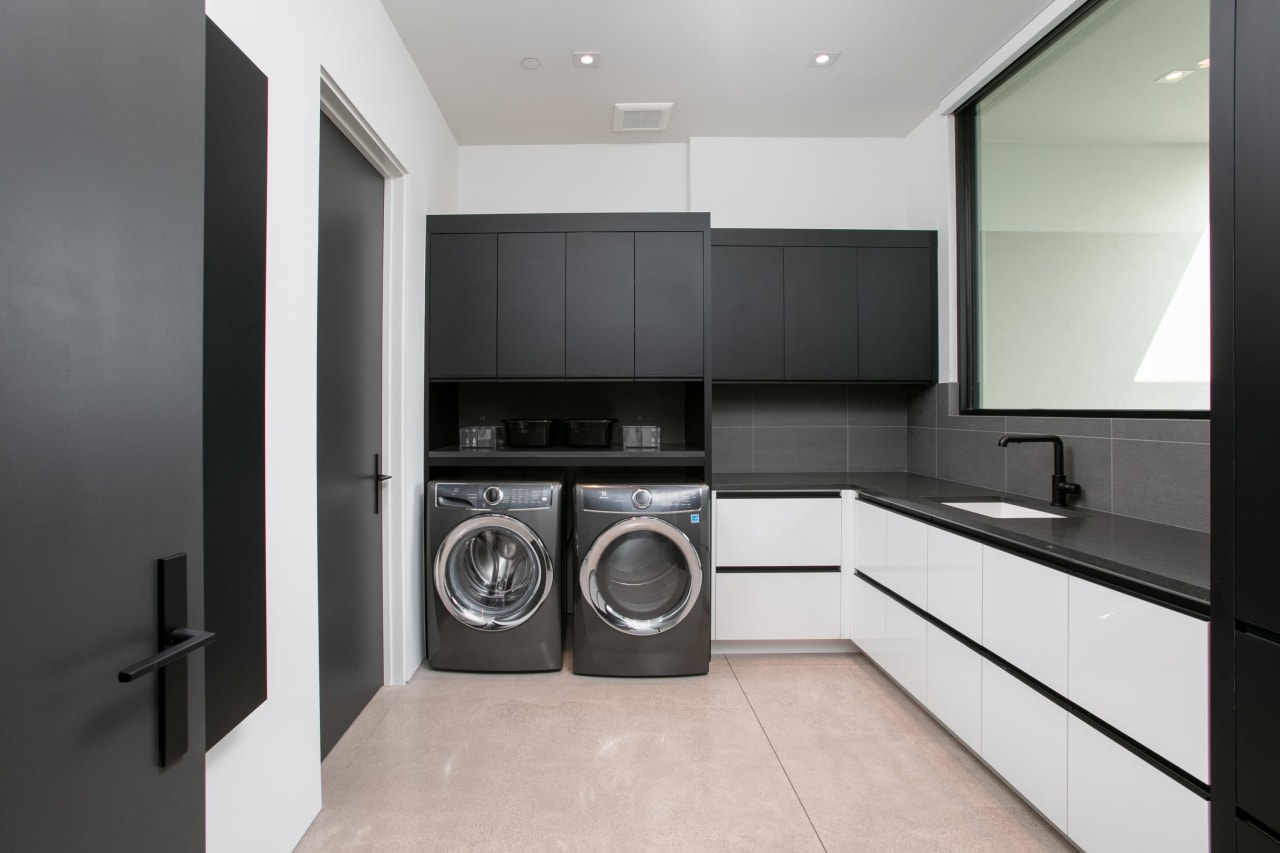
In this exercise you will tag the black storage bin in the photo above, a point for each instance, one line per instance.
(529, 433)
(588, 432)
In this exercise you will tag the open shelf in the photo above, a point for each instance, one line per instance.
(575, 457)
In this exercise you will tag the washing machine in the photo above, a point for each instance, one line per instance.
(642, 603)
(493, 602)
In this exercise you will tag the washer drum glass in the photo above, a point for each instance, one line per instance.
(492, 572)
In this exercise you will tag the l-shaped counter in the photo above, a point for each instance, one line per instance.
(1069, 654)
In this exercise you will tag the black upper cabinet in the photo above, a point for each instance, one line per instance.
(1257, 736)
(668, 303)
(600, 304)
(463, 305)
(824, 305)
(821, 313)
(896, 312)
(531, 305)
(747, 300)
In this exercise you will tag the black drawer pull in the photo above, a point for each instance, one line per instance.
(182, 642)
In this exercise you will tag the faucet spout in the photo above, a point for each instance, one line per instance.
(1060, 488)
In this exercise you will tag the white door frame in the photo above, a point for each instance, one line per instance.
(335, 104)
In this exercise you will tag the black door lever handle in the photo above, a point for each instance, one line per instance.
(182, 642)
(378, 479)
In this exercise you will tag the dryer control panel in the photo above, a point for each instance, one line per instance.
(494, 496)
(646, 499)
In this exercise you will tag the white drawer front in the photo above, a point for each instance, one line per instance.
(867, 619)
(870, 529)
(907, 559)
(904, 648)
(1144, 669)
(955, 582)
(778, 531)
(1024, 616)
(953, 686)
(1117, 803)
(1024, 737)
(777, 606)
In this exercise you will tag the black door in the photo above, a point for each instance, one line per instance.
(531, 305)
(896, 310)
(668, 308)
(101, 264)
(747, 297)
(599, 304)
(821, 312)
(349, 432)
(463, 309)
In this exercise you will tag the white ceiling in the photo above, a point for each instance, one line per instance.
(732, 67)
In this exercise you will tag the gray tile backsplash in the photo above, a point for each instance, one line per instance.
(1147, 468)
(1153, 469)
(809, 428)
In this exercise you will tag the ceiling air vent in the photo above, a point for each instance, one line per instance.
(629, 117)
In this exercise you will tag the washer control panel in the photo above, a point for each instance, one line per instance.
(494, 496)
(650, 499)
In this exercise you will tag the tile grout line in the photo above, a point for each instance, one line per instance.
(776, 757)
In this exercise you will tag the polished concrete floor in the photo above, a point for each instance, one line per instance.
(766, 753)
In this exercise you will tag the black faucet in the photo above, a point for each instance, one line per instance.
(1061, 488)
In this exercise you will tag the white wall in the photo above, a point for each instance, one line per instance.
(930, 192)
(799, 183)
(634, 177)
(263, 779)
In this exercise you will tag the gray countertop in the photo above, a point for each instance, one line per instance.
(1166, 564)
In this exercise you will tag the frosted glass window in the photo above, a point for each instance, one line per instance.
(1090, 189)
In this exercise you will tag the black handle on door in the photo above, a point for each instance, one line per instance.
(170, 663)
(378, 479)
(183, 641)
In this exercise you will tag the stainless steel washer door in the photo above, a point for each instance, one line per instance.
(492, 572)
(641, 576)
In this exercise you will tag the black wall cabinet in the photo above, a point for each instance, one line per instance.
(812, 305)
(600, 304)
(554, 296)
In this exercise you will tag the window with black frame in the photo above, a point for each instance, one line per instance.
(1083, 214)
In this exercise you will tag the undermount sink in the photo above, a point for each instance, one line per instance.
(1000, 509)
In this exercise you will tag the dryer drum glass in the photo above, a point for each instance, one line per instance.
(643, 575)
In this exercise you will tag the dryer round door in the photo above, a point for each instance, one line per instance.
(492, 572)
(641, 576)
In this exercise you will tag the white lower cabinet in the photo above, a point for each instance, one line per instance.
(1144, 669)
(1024, 738)
(907, 559)
(904, 648)
(953, 686)
(1024, 616)
(783, 605)
(867, 618)
(955, 582)
(1117, 803)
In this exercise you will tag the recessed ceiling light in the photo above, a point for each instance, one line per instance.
(586, 58)
(530, 63)
(1204, 63)
(824, 58)
(1175, 75)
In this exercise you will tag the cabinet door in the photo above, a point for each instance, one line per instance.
(747, 311)
(600, 304)
(1117, 803)
(904, 648)
(896, 307)
(907, 558)
(821, 296)
(1024, 738)
(463, 305)
(1024, 616)
(1257, 735)
(955, 582)
(531, 305)
(866, 622)
(953, 686)
(778, 532)
(1142, 668)
(786, 605)
(669, 272)
(870, 539)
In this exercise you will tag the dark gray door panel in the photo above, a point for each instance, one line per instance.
(669, 271)
(821, 313)
(600, 304)
(463, 311)
(531, 305)
(748, 302)
(896, 307)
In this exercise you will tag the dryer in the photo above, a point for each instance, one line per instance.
(493, 601)
(642, 600)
